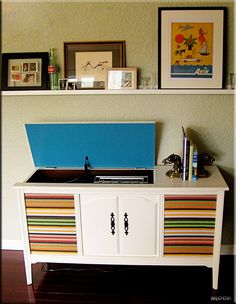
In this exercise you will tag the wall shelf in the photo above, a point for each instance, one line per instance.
(120, 92)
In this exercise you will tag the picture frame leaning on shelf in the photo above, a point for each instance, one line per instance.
(191, 47)
(24, 71)
(87, 62)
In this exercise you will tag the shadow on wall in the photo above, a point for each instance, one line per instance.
(159, 127)
(202, 143)
(228, 219)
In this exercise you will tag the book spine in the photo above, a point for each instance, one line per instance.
(184, 158)
(195, 163)
(187, 160)
(190, 167)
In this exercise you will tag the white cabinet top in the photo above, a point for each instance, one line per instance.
(215, 180)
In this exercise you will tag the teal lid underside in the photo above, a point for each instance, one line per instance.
(107, 145)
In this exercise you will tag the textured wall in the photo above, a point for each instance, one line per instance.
(38, 25)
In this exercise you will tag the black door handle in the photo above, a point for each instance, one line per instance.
(113, 223)
(126, 223)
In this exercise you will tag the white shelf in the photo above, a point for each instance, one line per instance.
(120, 92)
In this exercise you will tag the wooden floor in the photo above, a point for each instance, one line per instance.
(56, 284)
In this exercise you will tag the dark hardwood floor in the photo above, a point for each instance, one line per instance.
(86, 284)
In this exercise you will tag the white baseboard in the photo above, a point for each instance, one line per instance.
(12, 245)
(18, 245)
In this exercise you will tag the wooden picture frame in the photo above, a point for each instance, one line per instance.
(88, 61)
(121, 79)
(25, 71)
(191, 47)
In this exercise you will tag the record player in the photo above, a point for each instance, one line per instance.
(92, 153)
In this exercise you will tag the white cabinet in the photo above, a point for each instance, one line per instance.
(119, 224)
(168, 223)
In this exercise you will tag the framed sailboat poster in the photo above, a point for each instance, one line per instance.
(191, 48)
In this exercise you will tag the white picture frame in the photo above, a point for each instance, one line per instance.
(199, 66)
(121, 79)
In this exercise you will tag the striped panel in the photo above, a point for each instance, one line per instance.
(46, 200)
(51, 223)
(189, 224)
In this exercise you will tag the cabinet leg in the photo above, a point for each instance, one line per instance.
(215, 276)
(28, 270)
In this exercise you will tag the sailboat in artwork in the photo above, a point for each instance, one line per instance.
(204, 49)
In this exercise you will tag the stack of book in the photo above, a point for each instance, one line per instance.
(189, 159)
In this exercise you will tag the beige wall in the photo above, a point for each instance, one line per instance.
(33, 26)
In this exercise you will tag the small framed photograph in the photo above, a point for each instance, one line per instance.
(24, 71)
(15, 77)
(25, 66)
(191, 47)
(71, 84)
(121, 79)
(62, 84)
(88, 61)
(15, 68)
(33, 66)
(29, 78)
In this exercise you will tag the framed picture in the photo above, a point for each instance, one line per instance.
(62, 83)
(191, 48)
(24, 71)
(121, 78)
(88, 61)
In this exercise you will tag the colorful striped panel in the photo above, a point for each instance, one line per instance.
(51, 223)
(189, 224)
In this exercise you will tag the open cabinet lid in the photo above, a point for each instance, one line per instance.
(107, 145)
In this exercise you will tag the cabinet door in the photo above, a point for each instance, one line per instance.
(137, 225)
(189, 224)
(51, 223)
(99, 224)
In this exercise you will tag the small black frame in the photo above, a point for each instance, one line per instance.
(24, 71)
